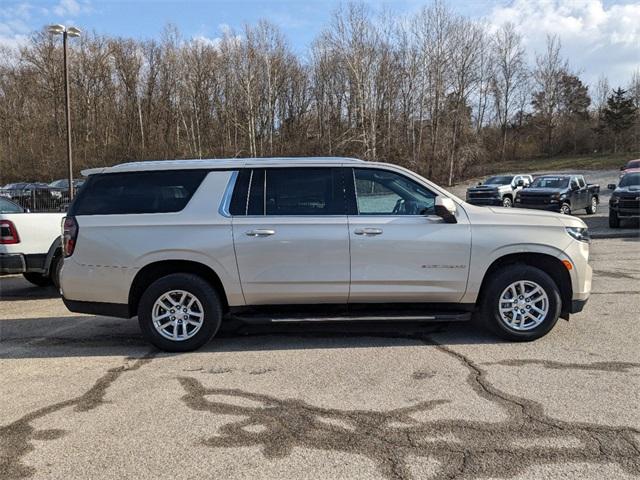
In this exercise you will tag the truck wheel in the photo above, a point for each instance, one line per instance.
(54, 270)
(593, 208)
(179, 312)
(565, 209)
(614, 220)
(521, 303)
(506, 202)
(37, 279)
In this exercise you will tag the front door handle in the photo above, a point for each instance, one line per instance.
(368, 231)
(260, 232)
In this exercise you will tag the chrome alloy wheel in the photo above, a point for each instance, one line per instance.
(523, 305)
(594, 205)
(177, 315)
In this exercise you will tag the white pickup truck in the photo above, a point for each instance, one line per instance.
(30, 244)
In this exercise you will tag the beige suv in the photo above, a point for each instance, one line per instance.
(186, 244)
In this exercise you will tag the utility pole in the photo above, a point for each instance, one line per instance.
(67, 32)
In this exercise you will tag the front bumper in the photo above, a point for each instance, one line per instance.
(494, 201)
(549, 207)
(625, 212)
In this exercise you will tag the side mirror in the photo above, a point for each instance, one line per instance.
(622, 168)
(446, 209)
(611, 186)
(520, 183)
(575, 186)
(479, 183)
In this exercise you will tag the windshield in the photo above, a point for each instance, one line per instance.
(550, 182)
(499, 180)
(630, 179)
(633, 164)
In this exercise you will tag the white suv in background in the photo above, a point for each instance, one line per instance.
(185, 244)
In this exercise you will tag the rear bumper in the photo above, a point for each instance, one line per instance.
(20, 263)
(12, 263)
(98, 308)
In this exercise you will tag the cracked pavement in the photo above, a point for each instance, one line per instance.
(85, 397)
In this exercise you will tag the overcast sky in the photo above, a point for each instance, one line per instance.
(598, 37)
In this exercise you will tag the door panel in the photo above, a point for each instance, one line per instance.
(292, 259)
(293, 246)
(412, 259)
(400, 250)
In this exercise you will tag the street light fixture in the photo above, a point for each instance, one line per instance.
(58, 29)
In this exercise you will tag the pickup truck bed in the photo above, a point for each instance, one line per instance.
(30, 244)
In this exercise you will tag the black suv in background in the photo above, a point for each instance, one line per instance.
(560, 193)
(625, 199)
(499, 190)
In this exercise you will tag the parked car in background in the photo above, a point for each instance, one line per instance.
(30, 244)
(560, 193)
(7, 206)
(630, 165)
(35, 196)
(624, 203)
(185, 244)
(499, 190)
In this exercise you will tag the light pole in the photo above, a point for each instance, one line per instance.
(66, 32)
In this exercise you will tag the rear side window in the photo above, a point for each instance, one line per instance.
(137, 192)
(291, 191)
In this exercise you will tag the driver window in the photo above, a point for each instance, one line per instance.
(581, 182)
(380, 192)
(574, 183)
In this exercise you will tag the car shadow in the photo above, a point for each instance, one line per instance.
(87, 335)
(12, 289)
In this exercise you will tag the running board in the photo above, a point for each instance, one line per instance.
(302, 318)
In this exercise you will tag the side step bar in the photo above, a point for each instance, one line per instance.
(289, 318)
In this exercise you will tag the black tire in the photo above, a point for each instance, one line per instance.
(507, 202)
(38, 279)
(490, 302)
(614, 220)
(593, 208)
(565, 208)
(195, 286)
(54, 270)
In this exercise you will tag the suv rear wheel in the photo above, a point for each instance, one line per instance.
(179, 312)
(522, 303)
(593, 206)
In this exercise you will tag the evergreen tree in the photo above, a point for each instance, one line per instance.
(619, 114)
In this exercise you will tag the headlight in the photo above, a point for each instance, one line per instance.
(579, 233)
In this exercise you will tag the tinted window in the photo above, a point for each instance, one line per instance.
(581, 182)
(380, 192)
(7, 206)
(630, 179)
(499, 180)
(137, 192)
(298, 191)
(238, 204)
(255, 205)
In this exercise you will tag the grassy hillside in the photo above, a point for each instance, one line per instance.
(579, 162)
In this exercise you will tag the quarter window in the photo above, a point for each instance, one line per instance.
(381, 192)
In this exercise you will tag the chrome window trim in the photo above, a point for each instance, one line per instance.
(228, 193)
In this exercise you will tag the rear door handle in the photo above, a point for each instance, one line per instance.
(260, 232)
(368, 231)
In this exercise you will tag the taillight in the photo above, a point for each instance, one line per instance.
(8, 233)
(69, 235)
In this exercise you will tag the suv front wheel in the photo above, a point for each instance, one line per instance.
(522, 303)
(179, 312)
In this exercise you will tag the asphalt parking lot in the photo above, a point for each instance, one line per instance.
(85, 397)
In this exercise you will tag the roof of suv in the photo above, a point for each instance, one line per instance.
(219, 163)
